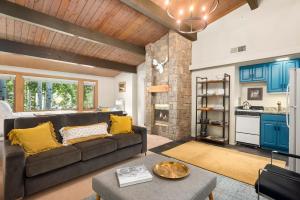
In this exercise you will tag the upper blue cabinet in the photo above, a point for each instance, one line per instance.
(253, 73)
(278, 78)
(275, 79)
(276, 74)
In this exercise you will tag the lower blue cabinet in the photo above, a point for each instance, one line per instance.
(274, 132)
(268, 134)
(283, 136)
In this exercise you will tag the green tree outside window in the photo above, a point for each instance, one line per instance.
(88, 97)
(49, 96)
(7, 91)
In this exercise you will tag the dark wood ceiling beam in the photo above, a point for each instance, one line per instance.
(156, 13)
(58, 55)
(253, 4)
(40, 19)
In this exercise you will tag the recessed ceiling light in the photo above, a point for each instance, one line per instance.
(283, 59)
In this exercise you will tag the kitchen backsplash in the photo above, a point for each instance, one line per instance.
(274, 109)
(269, 99)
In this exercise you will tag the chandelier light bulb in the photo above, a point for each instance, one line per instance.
(191, 8)
(205, 17)
(178, 21)
(181, 12)
(167, 2)
(203, 8)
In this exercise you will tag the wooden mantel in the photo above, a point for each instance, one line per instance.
(158, 88)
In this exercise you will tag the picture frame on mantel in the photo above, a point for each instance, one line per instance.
(255, 94)
(122, 86)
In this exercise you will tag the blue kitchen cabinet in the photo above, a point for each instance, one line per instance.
(268, 134)
(283, 136)
(278, 75)
(245, 74)
(253, 73)
(274, 132)
(275, 79)
(259, 72)
(286, 67)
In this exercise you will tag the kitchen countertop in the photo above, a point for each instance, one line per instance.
(273, 113)
(268, 110)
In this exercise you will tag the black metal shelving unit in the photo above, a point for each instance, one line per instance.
(202, 109)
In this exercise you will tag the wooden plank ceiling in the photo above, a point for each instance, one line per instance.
(110, 17)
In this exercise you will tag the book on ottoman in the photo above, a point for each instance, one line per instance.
(133, 175)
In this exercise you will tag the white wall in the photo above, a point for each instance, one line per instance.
(212, 74)
(130, 95)
(106, 93)
(271, 30)
(141, 75)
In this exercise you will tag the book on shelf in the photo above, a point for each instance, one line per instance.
(133, 175)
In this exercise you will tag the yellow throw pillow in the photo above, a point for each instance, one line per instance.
(120, 124)
(35, 140)
(75, 134)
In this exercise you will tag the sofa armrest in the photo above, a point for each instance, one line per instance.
(143, 132)
(13, 171)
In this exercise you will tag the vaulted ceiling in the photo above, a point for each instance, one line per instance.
(111, 33)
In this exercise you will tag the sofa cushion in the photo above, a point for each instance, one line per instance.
(51, 160)
(125, 140)
(94, 148)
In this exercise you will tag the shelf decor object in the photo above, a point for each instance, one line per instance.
(222, 87)
(191, 16)
(171, 170)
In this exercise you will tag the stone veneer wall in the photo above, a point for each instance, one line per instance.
(177, 75)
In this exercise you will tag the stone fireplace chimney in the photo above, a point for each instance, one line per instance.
(168, 111)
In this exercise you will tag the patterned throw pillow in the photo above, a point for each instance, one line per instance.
(76, 134)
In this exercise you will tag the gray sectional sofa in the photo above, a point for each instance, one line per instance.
(25, 176)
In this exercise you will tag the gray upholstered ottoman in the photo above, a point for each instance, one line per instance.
(197, 186)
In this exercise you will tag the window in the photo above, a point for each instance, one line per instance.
(49, 94)
(89, 95)
(7, 89)
(64, 96)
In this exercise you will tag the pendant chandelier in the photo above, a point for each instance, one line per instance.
(191, 15)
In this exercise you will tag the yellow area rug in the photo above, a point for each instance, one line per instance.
(228, 162)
